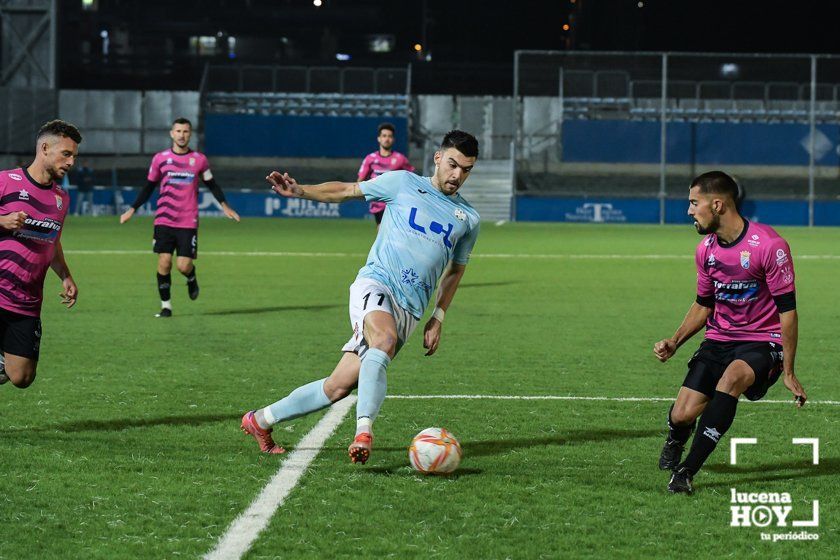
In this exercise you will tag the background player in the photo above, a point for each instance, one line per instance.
(378, 162)
(747, 301)
(426, 227)
(176, 220)
(32, 212)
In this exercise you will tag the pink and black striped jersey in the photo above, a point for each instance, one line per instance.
(26, 254)
(177, 204)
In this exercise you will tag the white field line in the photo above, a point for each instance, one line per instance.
(574, 398)
(478, 255)
(244, 530)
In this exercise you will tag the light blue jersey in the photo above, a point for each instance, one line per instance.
(421, 231)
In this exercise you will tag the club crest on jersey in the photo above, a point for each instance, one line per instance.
(745, 259)
(460, 215)
(58, 202)
(15, 176)
(711, 261)
(23, 195)
(169, 161)
(192, 161)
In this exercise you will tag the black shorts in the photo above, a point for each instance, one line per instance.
(378, 216)
(707, 365)
(168, 239)
(20, 334)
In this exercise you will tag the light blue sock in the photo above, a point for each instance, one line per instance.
(372, 386)
(303, 400)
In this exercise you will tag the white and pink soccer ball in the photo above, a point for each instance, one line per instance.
(435, 451)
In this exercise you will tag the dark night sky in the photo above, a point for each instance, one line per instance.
(461, 35)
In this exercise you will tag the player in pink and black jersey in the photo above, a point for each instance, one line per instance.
(32, 212)
(382, 160)
(178, 171)
(746, 299)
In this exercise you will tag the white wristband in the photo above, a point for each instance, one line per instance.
(438, 314)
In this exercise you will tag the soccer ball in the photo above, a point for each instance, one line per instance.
(434, 451)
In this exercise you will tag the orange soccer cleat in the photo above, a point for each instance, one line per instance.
(359, 450)
(263, 437)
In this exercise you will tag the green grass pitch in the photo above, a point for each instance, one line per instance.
(128, 444)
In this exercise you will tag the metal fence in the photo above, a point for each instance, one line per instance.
(643, 124)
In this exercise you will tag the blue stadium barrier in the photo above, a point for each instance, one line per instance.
(297, 136)
(623, 141)
(646, 210)
(528, 209)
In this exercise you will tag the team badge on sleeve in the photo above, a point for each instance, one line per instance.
(745, 259)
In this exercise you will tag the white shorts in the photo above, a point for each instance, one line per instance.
(368, 295)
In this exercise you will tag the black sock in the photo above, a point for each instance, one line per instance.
(679, 433)
(191, 278)
(715, 421)
(164, 284)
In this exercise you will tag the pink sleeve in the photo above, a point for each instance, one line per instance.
(778, 267)
(704, 281)
(364, 170)
(407, 166)
(205, 164)
(154, 169)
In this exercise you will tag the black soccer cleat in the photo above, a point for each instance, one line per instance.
(681, 482)
(165, 312)
(192, 289)
(671, 454)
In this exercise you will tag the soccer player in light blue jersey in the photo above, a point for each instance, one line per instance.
(425, 240)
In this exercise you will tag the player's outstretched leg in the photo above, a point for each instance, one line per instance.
(675, 442)
(372, 387)
(306, 399)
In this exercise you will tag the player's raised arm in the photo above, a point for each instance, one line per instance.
(333, 191)
(694, 320)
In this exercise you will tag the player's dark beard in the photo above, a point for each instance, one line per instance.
(711, 228)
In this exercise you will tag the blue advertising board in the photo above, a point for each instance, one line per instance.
(528, 208)
(646, 210)
(246, 203)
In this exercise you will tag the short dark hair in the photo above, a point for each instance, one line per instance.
(462, 141)
(60, 128)
(182, 120)
(717, 182)
(386, 126)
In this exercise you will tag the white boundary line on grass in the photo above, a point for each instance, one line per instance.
(477, 255)
(574, 398)
(245, 529)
